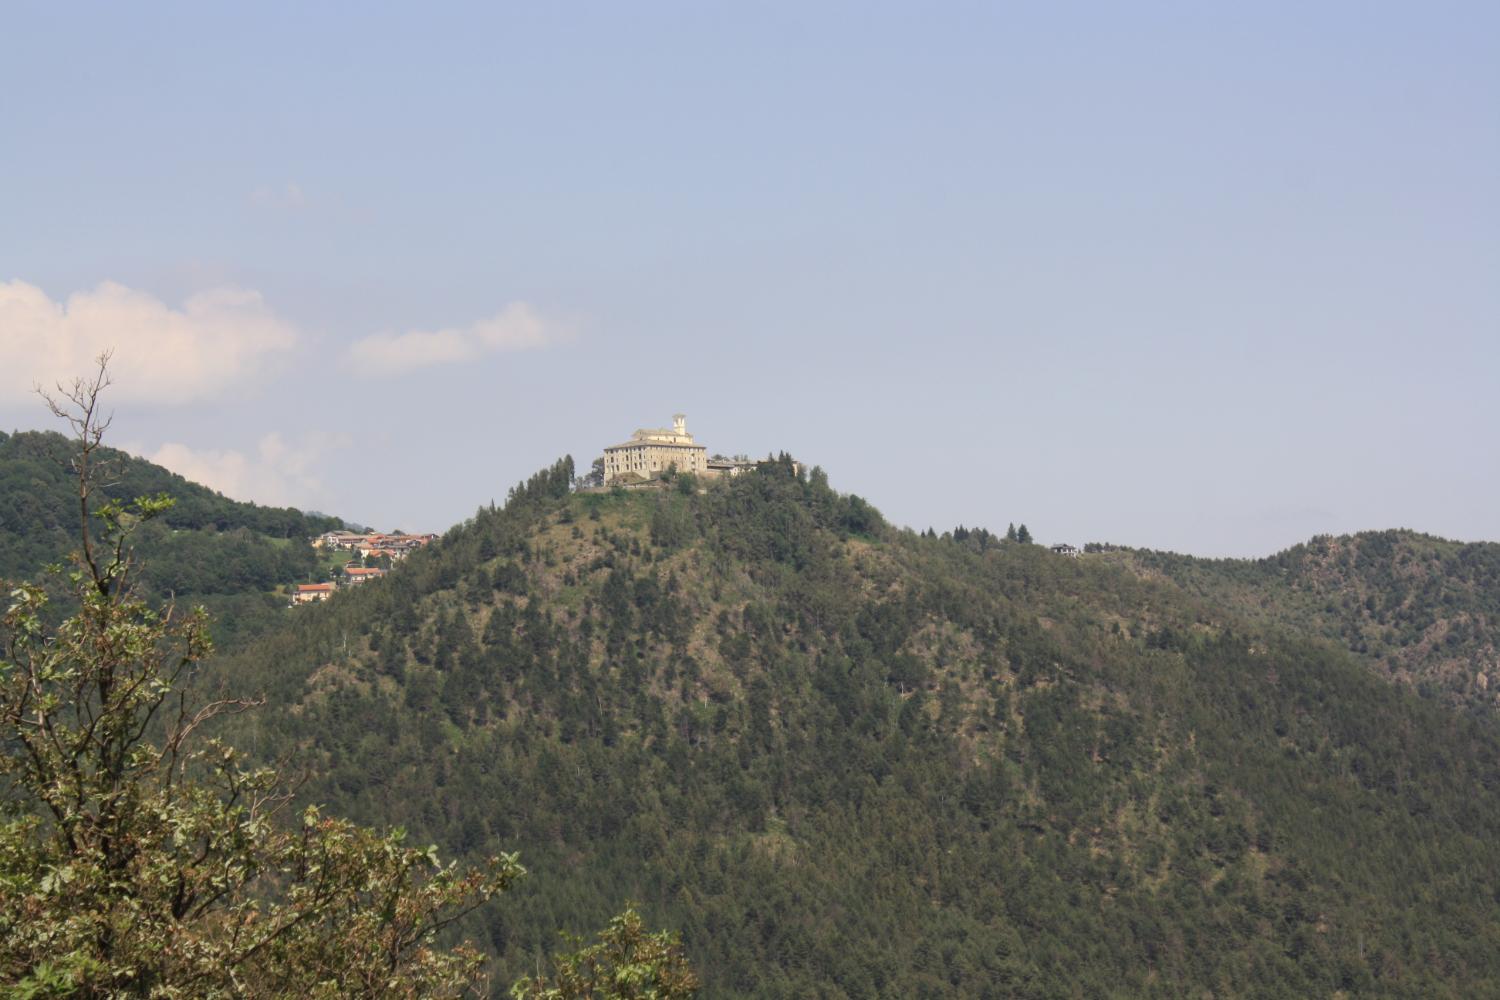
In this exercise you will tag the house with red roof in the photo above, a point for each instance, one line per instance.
(306, 593)
(354, 575)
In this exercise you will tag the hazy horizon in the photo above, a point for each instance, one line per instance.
(1206, 281)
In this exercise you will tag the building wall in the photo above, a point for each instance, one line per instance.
(651, 452)
(650, 458)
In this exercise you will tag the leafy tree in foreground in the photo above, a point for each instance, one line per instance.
(139, 860)
(626, 964)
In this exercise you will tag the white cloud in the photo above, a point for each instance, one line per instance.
(165, 355)
(517, 327)
(277, 473)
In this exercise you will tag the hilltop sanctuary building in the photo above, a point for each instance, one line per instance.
(651, 452)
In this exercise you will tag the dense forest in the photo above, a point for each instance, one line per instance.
(1422, 611)
(846, 760)
(207, 549)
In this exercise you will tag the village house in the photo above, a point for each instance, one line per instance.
(396, 546)
(355, 575)
(354, 540)
(307, 593)
(1064, 549)
(336, 540)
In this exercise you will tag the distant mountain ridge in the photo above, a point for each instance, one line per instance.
(1420, 610)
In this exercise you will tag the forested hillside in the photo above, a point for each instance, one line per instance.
(206, 549)
(1422, 611)
(850, 761)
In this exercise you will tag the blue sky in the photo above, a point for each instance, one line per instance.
(1205, 277)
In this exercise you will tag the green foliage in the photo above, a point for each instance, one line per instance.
(226, 555)
(672, 522)
(627, 963)
(158, 867)
(550, 484)
(1419, 610)
(38, 501)
(844, 760)
(139, 859)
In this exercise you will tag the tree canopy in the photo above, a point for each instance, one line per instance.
(139, 857)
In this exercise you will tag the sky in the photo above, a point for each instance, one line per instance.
(1205, 277)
